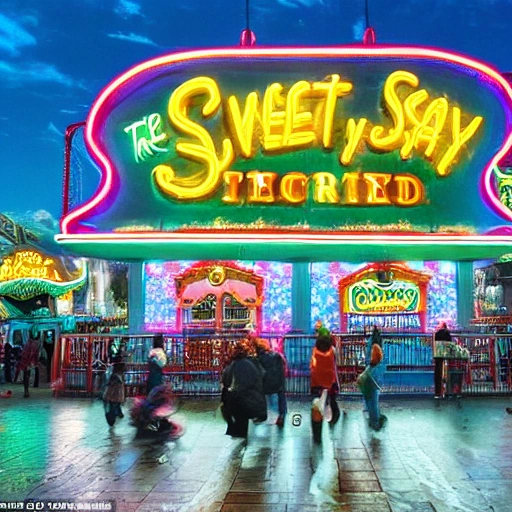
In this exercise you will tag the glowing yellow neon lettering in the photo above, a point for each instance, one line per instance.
(232, 179)
(243, 125)
(377, 183)
(424, 131)
(325, 188)
(261, 187)
(350, 180)
(293, 187)
(353, 135)
(334, 90)
(411, 103)
(297, 119)
(273, 119)
(459, 138)
(393, 104)
(198, 185)
(409, 190)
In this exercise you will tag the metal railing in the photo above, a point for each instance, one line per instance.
(196, 361)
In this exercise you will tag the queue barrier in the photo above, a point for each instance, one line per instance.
(195, 362)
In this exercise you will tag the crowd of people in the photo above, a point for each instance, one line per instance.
(253, 375)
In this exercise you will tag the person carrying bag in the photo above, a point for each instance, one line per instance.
(369, 381)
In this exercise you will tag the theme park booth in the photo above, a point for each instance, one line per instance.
(215, 297)
(301, 157)
(33, 286)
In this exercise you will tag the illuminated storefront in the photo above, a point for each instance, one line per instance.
(311, 157)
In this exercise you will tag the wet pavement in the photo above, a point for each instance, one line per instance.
(453, 455)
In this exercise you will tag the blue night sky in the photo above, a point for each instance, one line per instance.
(56, 55)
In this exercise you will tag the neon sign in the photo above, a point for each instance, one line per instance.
(27, 273)
(29, 264)
(304, 116)
(340, 141)
(391, 295)
(370, 296)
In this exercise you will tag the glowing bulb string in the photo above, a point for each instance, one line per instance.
(248, 38)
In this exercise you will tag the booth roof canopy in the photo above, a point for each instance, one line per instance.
(8, 311)
(290, 247)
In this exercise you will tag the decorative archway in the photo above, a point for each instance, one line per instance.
(219, 295)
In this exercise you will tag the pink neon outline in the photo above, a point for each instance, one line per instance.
(356, 51)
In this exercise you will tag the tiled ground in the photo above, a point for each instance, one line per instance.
(444, 457)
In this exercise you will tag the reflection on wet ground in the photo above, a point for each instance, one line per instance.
(431, 456)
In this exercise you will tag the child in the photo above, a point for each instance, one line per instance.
(157, 360)
(324, 376)
(151, 414)
(114, 394)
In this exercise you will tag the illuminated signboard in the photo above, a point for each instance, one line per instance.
(388, 294)
(28, 273)
(297, 148)
(370, 296)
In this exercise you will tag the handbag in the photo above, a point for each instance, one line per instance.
(366, 383)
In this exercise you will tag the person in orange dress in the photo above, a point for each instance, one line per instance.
(324, 375)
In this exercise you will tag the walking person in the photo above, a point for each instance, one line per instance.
(274, 378)
(324, 382)
(29, 359)
(442, 334)
(242, 396)
(114, 395)
(8, 362)
(157, 360)
(49, 345)
(372, 378)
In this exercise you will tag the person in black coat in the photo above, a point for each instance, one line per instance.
(242, 393)
(442, 334)
(274, 378)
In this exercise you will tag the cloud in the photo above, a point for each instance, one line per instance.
(127, 9)
(13, 36)
(133, 38)
(300, 3)
(66, 111)
(28, 72)
(358, 29)
(53, 130)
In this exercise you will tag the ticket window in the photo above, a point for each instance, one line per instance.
(202, 314)
(234, 314)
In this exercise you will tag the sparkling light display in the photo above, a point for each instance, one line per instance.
(161, 299)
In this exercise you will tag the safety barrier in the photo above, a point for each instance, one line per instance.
(195, 362)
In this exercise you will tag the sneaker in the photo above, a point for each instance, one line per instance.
(120, 415)
(509, 410)
(153, 427)
(26, 394)
(280, 421)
